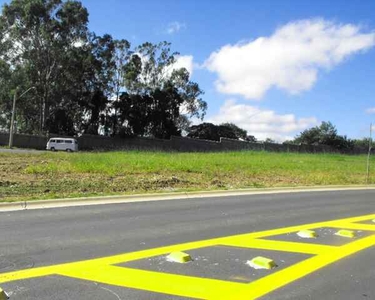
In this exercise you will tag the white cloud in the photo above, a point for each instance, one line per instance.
(289, 59)
(175, 27)
(370, 110)
(184, 61)
(262, 123)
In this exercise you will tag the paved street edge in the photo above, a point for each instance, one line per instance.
(84, 201)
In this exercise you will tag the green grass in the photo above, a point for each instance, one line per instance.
(51, 175)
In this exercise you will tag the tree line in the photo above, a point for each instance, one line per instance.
(324, 134)
(85, 83)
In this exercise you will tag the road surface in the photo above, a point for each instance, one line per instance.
(80, 247)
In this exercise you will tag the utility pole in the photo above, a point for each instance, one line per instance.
(12, 120)
(369, 155)
(11, 130)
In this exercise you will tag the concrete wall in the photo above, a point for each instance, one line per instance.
(24, 141)
(180, 144)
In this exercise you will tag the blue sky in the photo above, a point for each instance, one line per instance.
(287, 65)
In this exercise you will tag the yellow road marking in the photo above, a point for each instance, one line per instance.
(280, 246)
(355, 226)
(276, 280)
(103, 270)
(179, 285)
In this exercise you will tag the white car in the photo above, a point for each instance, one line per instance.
(63, 144)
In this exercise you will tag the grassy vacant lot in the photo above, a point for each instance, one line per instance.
(51, 175)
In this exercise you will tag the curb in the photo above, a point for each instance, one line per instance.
(98, 200)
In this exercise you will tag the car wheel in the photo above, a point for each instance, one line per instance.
(68, 150)
(53, 149)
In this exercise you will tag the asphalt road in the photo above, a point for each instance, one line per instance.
(35, 238)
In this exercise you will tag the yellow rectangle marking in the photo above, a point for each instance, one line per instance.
(280, 246)
(278, 279)
(354, 226)
(102, 269)
(180, 285)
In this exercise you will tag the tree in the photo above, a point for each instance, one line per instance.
(318, 135)
(170, 94)
(85, 86)
(5, 89)
(325, 134)
(61, 123)
(40, 36)
(85, 83)
(269, 140)
(134, 114)
(142, 115)
(209, 131)
(239, 132)
(121, 58)
(96, 89)
(362, 143)
(205, 131)
(251, 139)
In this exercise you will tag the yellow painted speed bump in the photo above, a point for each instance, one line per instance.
(179, 257)
(261, 262)
(3, 295)
(345, 233)
(307, 234)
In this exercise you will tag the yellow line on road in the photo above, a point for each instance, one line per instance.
(179, 285)
(355, 226)
(103, 270)
(280, 246)
(278, 279)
